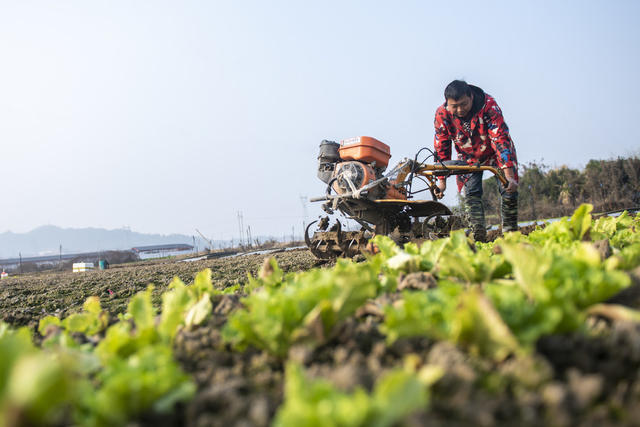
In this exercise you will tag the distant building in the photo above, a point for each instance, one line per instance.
(82, 266)
(162, 248)
(14, 263)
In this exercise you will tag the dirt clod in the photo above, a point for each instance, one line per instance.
(420, 281)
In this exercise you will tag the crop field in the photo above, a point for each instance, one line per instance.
(536, 329)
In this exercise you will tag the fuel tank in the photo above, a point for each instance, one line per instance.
(365, 149)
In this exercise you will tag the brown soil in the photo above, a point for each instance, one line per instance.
(27, 298)
(595, 374)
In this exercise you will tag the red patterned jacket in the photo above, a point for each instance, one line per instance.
(487, 142)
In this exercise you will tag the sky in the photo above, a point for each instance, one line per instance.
(167, 116)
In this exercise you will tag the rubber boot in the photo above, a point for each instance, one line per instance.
(509, 212)
(476, 217)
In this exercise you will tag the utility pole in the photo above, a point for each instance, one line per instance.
(60, 258)
(205, 239)
(303, 200)
(249, 235)
(241, 227)
(20, 255)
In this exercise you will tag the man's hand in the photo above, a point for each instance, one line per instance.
(512, 184)
(441, 186)
(512, 187)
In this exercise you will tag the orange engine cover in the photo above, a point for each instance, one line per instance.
(365, 149)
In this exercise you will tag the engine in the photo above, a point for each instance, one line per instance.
(350, 176)
(354, 163)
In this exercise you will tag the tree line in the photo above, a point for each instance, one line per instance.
(546, 192)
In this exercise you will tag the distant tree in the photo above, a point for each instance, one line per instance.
(544, 192)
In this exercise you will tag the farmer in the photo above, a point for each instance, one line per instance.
(473, 122)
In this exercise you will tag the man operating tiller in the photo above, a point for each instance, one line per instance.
(473, 122)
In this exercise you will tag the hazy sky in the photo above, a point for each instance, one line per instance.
(170, 116)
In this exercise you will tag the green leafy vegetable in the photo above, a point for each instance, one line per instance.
(531, 286)
(319, 403)
(304, 307)
(129, 372)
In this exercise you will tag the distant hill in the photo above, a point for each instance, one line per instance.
(46, 240)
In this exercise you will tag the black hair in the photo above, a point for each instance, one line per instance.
(456, 90)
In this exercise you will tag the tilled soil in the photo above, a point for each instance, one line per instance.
(27, 298)
(593, 377)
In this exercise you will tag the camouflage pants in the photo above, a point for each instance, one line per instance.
(475, 208)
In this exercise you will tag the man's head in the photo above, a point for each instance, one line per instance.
(459, 98)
